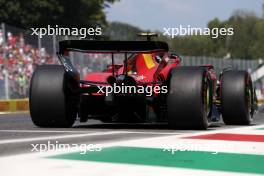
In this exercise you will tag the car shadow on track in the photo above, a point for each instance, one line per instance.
(124, 126)
(159, 126)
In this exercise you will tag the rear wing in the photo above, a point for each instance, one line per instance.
(112, 46)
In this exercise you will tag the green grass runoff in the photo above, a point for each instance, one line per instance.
(259, 128)
(230, 162)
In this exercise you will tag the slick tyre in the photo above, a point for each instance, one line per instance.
(189, 98)
(50, 99)
(237, 97)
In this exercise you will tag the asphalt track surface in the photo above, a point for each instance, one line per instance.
(17, 132)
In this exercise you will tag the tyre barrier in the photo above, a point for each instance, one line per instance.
(14, 105)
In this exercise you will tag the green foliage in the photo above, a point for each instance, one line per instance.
(192, 45)
(246, 43)
(244, 37)
(37, 13)
(122, 31)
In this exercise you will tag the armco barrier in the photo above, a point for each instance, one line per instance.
(16, 105)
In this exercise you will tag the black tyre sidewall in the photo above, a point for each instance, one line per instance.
(234, 101)
(49, 101)
(185, 101)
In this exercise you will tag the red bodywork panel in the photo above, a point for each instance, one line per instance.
(98, 76)
(143, 68)
(146, 69)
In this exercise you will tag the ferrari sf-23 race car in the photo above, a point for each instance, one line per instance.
(136, 82)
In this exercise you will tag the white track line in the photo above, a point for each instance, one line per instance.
(46, 131)
(152, 142)
(143, 142)
(146, 132)
(75, 136)
(44, 167)
(118, 132)
(19, 112)
(56, 137)
(63, 131)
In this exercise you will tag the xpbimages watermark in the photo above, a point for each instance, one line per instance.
(172, 32)
(65, 31)
(191, 146)
(125, 89)
(62, 147)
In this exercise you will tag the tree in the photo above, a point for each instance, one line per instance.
(37, 13)
(192, 45)
(122, 31)
(246, 43)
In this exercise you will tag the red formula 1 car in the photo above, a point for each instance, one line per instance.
(136, 82)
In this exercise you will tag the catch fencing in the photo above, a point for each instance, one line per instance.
(20, 52)
(220, 63)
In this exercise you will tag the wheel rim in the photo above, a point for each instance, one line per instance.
(206, 99)
(249, 101)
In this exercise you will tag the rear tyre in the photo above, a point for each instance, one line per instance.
(50, 99)
(237, 98)
(189, 98)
